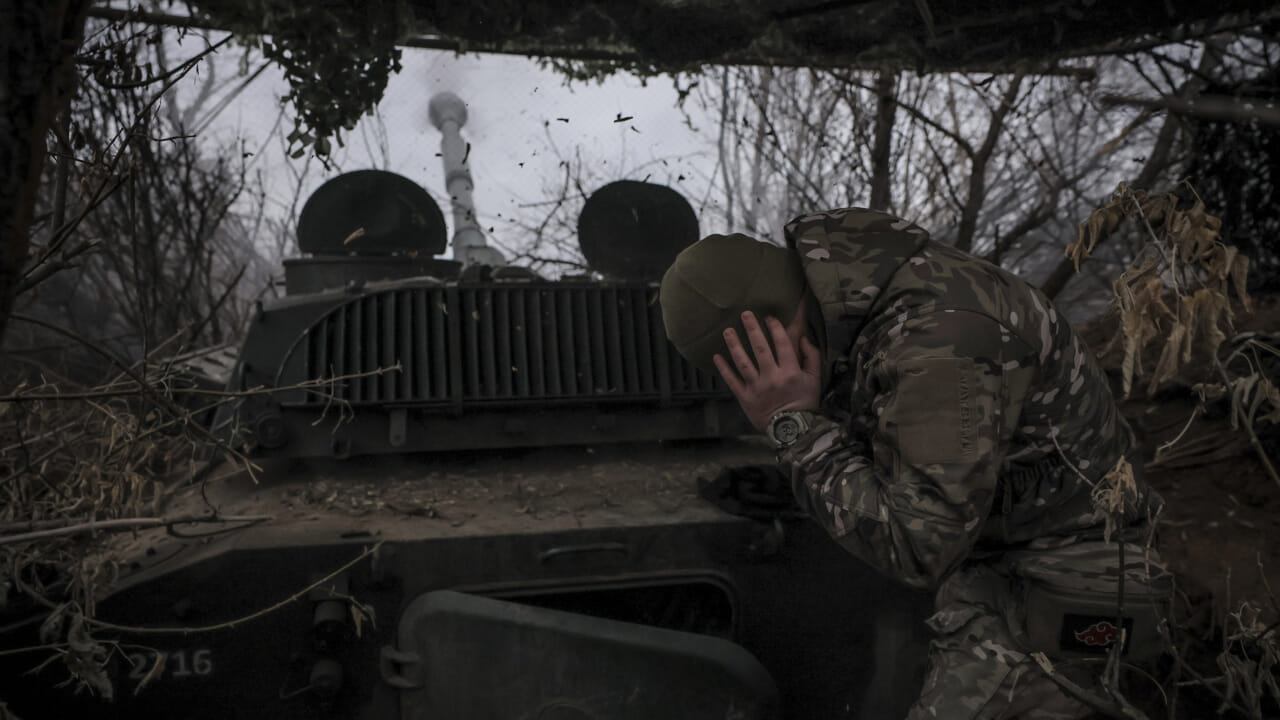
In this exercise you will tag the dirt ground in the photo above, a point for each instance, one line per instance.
(1222, 517)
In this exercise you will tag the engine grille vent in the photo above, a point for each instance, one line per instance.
(499, 344)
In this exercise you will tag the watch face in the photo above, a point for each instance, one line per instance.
(786, 430)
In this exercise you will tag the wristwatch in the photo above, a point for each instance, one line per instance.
(786, 426)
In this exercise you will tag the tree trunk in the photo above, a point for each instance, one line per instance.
(38, 42)
(978, 172)
(886, 110)
(759, 147)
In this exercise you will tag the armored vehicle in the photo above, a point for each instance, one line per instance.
(490, 495)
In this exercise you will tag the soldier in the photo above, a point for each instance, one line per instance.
(944, 424)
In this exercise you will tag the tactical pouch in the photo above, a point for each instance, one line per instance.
(1068, 600)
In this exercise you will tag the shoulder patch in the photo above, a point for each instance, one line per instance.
(935, 411)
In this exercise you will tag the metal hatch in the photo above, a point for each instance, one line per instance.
(464, 655)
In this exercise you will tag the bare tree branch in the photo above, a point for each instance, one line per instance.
(978, 168)
(1210, 107)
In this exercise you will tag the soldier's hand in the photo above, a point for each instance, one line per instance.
(791, 379)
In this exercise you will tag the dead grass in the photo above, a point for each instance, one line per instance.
(1173, 319)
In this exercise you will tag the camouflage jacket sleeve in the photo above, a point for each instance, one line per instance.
(908, 488)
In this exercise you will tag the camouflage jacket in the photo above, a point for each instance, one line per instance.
(958, 405)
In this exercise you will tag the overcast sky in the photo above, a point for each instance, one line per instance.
(522, 120)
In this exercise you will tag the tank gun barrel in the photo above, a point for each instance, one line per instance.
(449, 113)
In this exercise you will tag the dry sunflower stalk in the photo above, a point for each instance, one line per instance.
(1174, 303)
(1116, 495)
(1175, 299)
(1178, 289)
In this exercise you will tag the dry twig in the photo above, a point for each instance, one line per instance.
(127, 524)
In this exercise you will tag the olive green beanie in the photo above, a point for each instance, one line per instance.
(714, 280)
